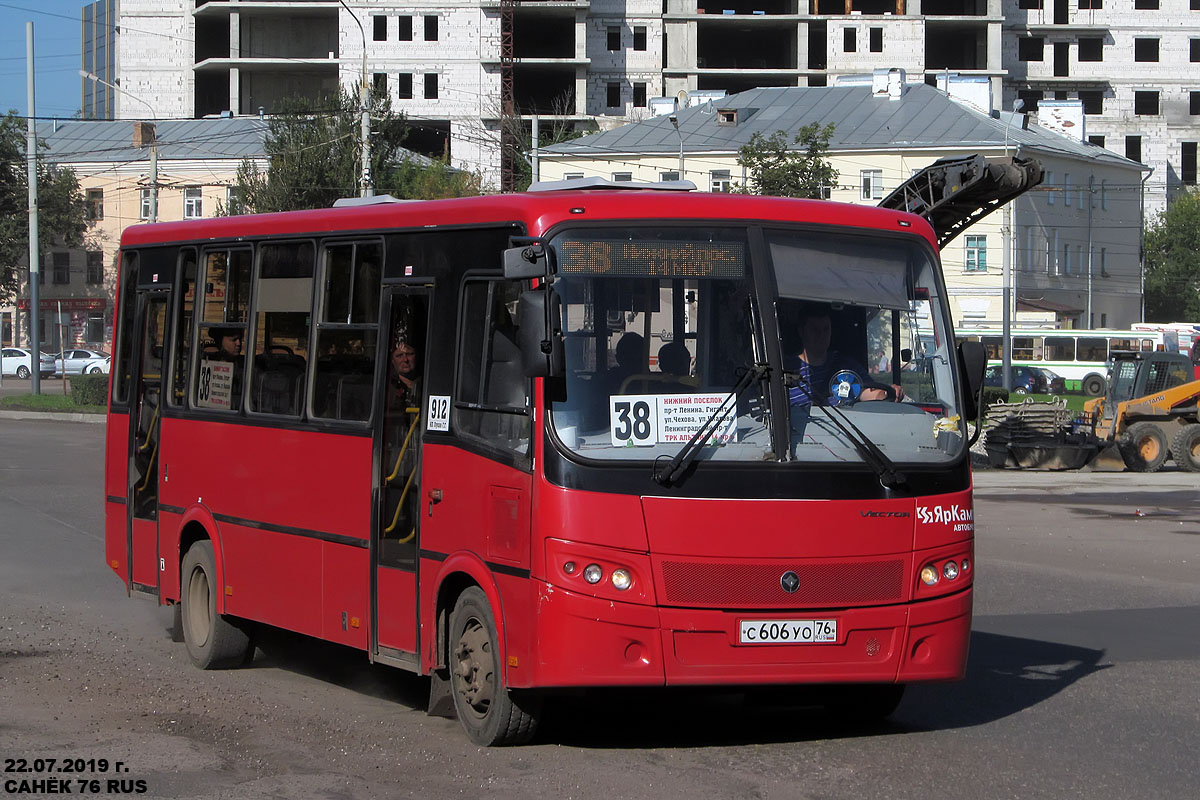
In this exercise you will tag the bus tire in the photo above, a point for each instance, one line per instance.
(1144, 447)
(1094, 386)
(1185, 448)
(488, 711)
(212, 640)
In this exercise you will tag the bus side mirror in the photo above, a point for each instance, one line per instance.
(972, 361)
(539, 315)
(526, 261)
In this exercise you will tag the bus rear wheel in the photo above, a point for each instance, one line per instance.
(1094, 386)
(489, 712)
(213, 641)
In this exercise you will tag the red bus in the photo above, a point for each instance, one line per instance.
(554, 440)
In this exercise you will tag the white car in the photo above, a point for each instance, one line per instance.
(16, 361)
(79, 361)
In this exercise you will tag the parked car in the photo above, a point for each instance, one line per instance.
(1027, 380)
(16, 361)
(79, 361)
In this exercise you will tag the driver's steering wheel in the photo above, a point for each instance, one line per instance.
(846, 387)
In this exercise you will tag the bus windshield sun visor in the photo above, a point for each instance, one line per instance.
(825, 269)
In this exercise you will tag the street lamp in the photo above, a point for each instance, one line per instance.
(675, 124)
(364, 135)
(153, 216)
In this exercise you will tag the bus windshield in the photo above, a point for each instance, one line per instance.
(660, 325)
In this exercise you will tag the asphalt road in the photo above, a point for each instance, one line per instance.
(1082, 682)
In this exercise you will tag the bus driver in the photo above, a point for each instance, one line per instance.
(818, 364)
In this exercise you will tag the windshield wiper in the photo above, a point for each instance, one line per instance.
(674, 468)
(889, 475)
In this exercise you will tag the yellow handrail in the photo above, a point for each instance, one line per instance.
(400, 504)
(412, 426)
(150, 432)
(149, 468)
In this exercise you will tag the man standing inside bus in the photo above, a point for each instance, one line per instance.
(405, 377)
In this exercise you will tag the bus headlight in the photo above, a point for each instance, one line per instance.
(950, 570)
(592, 573)
(930, 575)
(621, 579)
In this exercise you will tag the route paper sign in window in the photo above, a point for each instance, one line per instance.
(641, 420)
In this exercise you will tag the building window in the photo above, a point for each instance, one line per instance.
(1104, 195)
(1194, 103)
(1103, 262)
(62, 267)
(380, 31)
(95, 328)
(1066, 260)
(614, 95)
(976, 254)
(639, 95)
(1093, 102)
(431, 29)
(1067, 189)
(1145, 104)
(1048, 182)
(404, 86)
(1031, 98)
(95, 268)
(193, 203)
(431, 86)
(622, 177)
(1091, 48)
(1096, 139)
(1145, 5)
(1194, 52)
(1029, 5)
(1094, 5)
(405, 25)
(871, 182)
(668, 176)
(719, 180)
(1030, 48)
(876, 39)
(639, 37)
(1187, 163)
(1133, 148)
(144, 207)
(1147, 50)
(235, 200)
(614, 38)
(572, 176)
(849, 42)
(379, 82)
(95, 204)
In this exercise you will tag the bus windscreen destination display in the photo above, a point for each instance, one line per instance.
(665, 259)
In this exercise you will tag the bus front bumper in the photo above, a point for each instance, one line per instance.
(588, 641)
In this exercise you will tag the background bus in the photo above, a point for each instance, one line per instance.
(1079, 356)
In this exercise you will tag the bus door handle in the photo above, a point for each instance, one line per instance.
(435, 497)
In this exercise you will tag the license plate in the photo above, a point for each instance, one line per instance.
(787, 631)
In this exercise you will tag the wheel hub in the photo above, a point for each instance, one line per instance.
(475, 667)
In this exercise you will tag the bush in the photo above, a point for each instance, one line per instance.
(992, 395)
(89, 390)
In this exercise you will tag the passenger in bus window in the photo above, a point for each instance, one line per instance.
(630, 354)
(406, 379)
(818, 364)
(228, 343)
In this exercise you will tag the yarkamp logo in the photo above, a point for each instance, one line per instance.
(960, 517)
(790, 582)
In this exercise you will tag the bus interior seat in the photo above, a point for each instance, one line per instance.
(278, 383)
(354, 397)
(507, 385)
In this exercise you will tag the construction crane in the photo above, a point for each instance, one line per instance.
(508, 139)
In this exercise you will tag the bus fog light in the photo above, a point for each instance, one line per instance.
(569, 567)
(950, 570)
(592, 573)
(621, 579)
(929, 575)
(966, 564)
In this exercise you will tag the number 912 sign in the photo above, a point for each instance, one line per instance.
(634, 420)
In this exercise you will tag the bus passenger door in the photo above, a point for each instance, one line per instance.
(398, 469)
(145, 422)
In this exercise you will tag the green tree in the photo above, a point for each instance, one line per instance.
(1173, 262)
(313, 159)
(782, 170)
(61, 210)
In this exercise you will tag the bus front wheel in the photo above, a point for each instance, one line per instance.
(213, 642)
(490, 713)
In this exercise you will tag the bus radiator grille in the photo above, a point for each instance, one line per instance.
(727, 585)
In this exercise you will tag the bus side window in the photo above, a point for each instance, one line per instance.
(186, 288)
(493, 391)
(347, 332)
(283, 302)
(224, 295)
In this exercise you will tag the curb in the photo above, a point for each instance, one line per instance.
(55, 416)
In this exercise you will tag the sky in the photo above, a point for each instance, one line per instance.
(56, 31)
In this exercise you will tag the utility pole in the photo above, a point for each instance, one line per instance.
(143, 134)
(35, 320)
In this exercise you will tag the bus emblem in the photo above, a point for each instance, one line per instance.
(790, 582)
